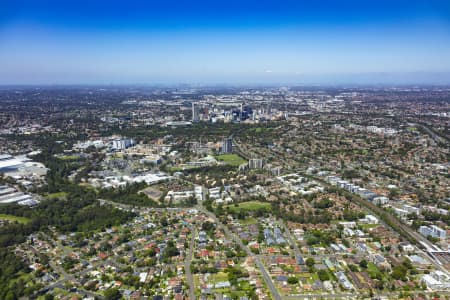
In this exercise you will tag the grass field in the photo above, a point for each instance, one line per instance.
(175, 169)
(60, 195)
(69, 157)
(231, 159)
(250, 206)
(218, 277)
(369, 226)
(314, 277)
(14, 218)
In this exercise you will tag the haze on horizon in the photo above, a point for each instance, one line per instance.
(235, 42)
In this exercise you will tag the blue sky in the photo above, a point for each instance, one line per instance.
(236, 42)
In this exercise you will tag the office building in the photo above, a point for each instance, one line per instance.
(227, 145)
(9, 163)
(255, 163)
(121, 144)
(200, 192)
(276, 171)
(433, 231)
(195, 113)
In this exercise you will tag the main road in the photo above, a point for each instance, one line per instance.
(291, 239)
(355, 295)
(187, 265)
(275, 294)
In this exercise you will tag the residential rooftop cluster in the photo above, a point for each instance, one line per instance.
(224, 193)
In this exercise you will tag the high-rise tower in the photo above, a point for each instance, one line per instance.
(195, 116)
(227, 145)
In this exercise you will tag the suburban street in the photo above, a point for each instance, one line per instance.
(187, 264)
(275, 294)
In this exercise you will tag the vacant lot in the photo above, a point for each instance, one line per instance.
(153, 193)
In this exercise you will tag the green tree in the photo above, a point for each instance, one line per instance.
(399, 272)
(292, 280)
(310, 262)
(323, 275)
(363, 264)
(112, 294)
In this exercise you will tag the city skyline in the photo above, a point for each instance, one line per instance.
(262, 42)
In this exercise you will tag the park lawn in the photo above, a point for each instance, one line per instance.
(12, 218)
(59, 195)
(218, 277)
(250, 206)
(231, 159)
(175, 169)
(369, 226)
(314, 277)
(69, 157)
(262, 129)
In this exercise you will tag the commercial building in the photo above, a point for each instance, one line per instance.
(11, 195)
(400, 212)
(178, 123)
(9, 163)
(276, 171)
(195, 114)
(437, 280)
(121, 144)
(411, 209)
(369, 219)
(381, 200)
(255, 163)
(433, 231)
(200, 192)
